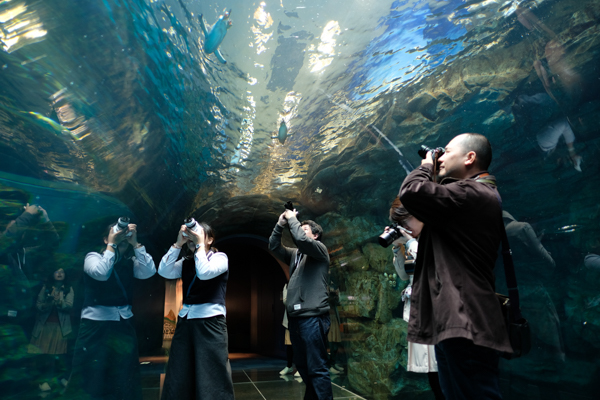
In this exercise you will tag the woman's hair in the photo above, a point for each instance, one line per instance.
(209, 234)
(398, 213)
(65, 282)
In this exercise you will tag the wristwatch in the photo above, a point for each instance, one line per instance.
(114, 246)
(197, 246)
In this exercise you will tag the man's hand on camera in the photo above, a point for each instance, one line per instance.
(132, 228)
(428, 159)
(289, 214)
(282, 221)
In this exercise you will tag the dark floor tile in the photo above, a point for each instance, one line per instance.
(151, 393)
(261, 375)
(246, 391)
(239, 377)
(281, 390)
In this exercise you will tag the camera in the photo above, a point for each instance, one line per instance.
(191, 224)
(438, 151)
(122, 224)
(289, 206)
(394, 232)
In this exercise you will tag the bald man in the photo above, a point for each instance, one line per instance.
(453, 303)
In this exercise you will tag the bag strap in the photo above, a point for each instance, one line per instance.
(511, 278)
(509, 266)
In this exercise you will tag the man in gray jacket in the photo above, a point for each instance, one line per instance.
(307, 301)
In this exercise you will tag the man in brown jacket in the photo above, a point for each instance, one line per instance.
(453, 299)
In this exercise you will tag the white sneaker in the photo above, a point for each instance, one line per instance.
(334, 371)
(286, 370)
(577, 163)
(44, 387)
(297, 374)
(64, 382)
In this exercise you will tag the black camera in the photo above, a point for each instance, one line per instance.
(122, 224)
(438, 151)
(289, 206)
(394, 232)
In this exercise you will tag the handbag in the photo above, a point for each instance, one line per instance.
(519, 331)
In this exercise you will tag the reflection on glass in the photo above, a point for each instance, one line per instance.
(264, 21)
(111, 108)
(18, 26)
(322, 56)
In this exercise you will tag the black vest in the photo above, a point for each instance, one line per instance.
(109, 292)
(202, 291)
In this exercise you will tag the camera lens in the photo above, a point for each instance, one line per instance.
(387, 238)
(423, 151)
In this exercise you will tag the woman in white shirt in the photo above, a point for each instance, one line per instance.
(106, 358)
(198, 366)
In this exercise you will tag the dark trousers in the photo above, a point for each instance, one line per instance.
(309, 340)
(198, 366)
(467, 371)
(106, 362)
(289, 350)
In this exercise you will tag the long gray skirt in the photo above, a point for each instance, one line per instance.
(198, 366)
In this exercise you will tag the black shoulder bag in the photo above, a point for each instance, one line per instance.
(519, 332)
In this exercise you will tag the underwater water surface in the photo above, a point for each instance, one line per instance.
(119, 108)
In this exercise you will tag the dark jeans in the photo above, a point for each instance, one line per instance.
(309, 340)
(467, 371)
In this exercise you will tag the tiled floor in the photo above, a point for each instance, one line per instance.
(267, 384)
(254, 378)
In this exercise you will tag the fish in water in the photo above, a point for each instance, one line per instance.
(216, 34)
(283, 130)
(291, 14)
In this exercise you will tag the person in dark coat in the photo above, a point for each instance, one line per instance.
(454, 305)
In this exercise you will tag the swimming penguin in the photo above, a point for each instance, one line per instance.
(283, 130)
(214, 37)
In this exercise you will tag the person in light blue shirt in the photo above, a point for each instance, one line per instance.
(106, 357)
(198, 366)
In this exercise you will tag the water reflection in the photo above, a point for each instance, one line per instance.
(111, 100)
(19, 26)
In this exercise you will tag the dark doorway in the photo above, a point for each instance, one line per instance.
(254, 304)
